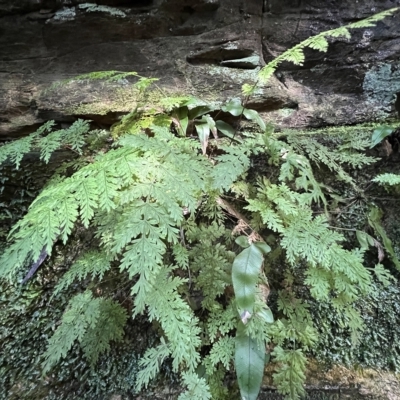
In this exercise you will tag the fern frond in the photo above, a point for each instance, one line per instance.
(150, 364)
(223, 351)
(16, 150)
(197, 388)
(176, 318)
(109, 327)
(338, 32)
(319, 42)
(296, 56)
(74, 137)
(387, 179)
(371, 21)
(82, 313)
(222, 321)
(92, 263)
(305, 179)
(230, 166)
(331, 157)
(93, 322)
(211, 265)
(181, 255)
(291, 375)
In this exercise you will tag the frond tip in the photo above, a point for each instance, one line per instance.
(319, 42)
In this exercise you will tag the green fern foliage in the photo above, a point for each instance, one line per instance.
(291, 373)
(319, 42)
(388, 179)
(165, 206)
(151, 363)
(197, 388)
(72, 138)
(91, 264)
(93, 322)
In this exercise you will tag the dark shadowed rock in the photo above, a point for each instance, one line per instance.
(204, 47)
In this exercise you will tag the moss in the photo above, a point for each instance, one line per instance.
(121, 99)
(237, 75)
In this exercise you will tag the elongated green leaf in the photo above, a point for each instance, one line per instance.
(263, 247)
(249, 364)
(192, 102)
(374, 220)
(242, 241)
(211, 124)
(182, 120)
(198, 111)
(255, 116)
(379, 134)
(203, 130)
(364, 239)
(225, 128)
(234, 107)
(245, 270)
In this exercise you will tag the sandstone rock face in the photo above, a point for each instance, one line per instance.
(205, 47)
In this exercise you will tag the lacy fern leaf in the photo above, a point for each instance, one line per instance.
(93, 322)
(319, 42)
(92, 263)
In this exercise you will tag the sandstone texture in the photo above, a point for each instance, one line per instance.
(205, 47)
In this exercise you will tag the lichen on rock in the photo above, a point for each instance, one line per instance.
(63, 15)
(381, 84)
(92, 7)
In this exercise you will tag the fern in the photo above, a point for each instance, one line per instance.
(93, 322)
(231, 165)
(92, 263)
(72, 137)
(151, 363)
(223, 351)
(166, 305)
(197, 388)
(387, 179)
(291, 373)
(163, 206)
(334, 160)
(319, 42)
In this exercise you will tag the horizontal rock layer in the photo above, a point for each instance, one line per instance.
(207, 48)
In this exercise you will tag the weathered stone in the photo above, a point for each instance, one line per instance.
(208, 48)
(331, 86)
